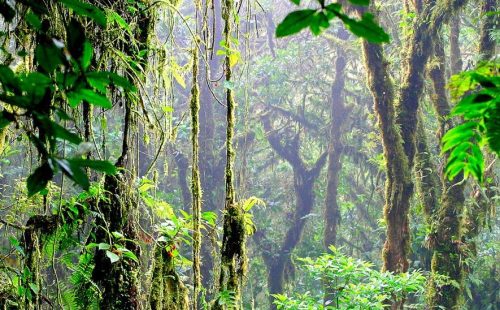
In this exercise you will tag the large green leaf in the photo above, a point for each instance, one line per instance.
(295, 22)
(98, 165)
(366, 28)
(86, 9)
(106, 78)
(77, 96)
(48, 56)
(73, 171)
(39, 179)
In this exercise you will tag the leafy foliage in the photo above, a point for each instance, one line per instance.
(354, 284)
(480, 109)
(63, 76)
(319, 19)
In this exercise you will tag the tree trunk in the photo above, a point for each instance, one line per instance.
(400, 145)
(427, 186)
(487, 44)
(233, 252)
(304, 179)
(446, 227)
(339, 114)
(456, 62)
(167, 290)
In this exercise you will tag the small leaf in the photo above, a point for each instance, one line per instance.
(34, 288)
(112, 257)
(117, 235)
(131, 255)
(86, 58)
(104, 246)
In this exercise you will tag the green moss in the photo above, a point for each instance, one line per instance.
(233, 256)
(167, 290)
(195, 180)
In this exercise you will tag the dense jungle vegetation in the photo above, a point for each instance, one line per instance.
(249, 154)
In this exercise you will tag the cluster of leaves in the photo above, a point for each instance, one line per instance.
(59, 238)
(115, 250)
(480, 110)
(247, 206)
(352, 284)
(319, 19)
(62, 78)
(175, 229)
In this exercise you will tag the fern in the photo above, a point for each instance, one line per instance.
(481, 112)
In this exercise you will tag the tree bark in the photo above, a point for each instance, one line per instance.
(338, 116)
(400, 145)
(446, 225)
(304, 179)
(487, 44)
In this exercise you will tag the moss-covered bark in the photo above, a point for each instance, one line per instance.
(397, 118)
(487, 44)
(338, 115)
(233, 253)
(3, 137)
(195, 181)
(118, 212)
(456, 61)
(303, 183)
(167, 290)
(426, 177)
(446, 226)
(428, 188)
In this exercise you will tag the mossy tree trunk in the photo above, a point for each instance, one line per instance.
(446, 226)
(195, 181)
(118, 212)
(118, 280)
(303, 184)
(427, 186)
(338, 115)
(487, 45)
(456, 61)
(233, 251)
(397, 117)
(167, 290)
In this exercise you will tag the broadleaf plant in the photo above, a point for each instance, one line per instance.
(319, 19)
(63, 76)
(480, 109)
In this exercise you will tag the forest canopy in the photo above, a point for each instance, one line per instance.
(241, 154)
